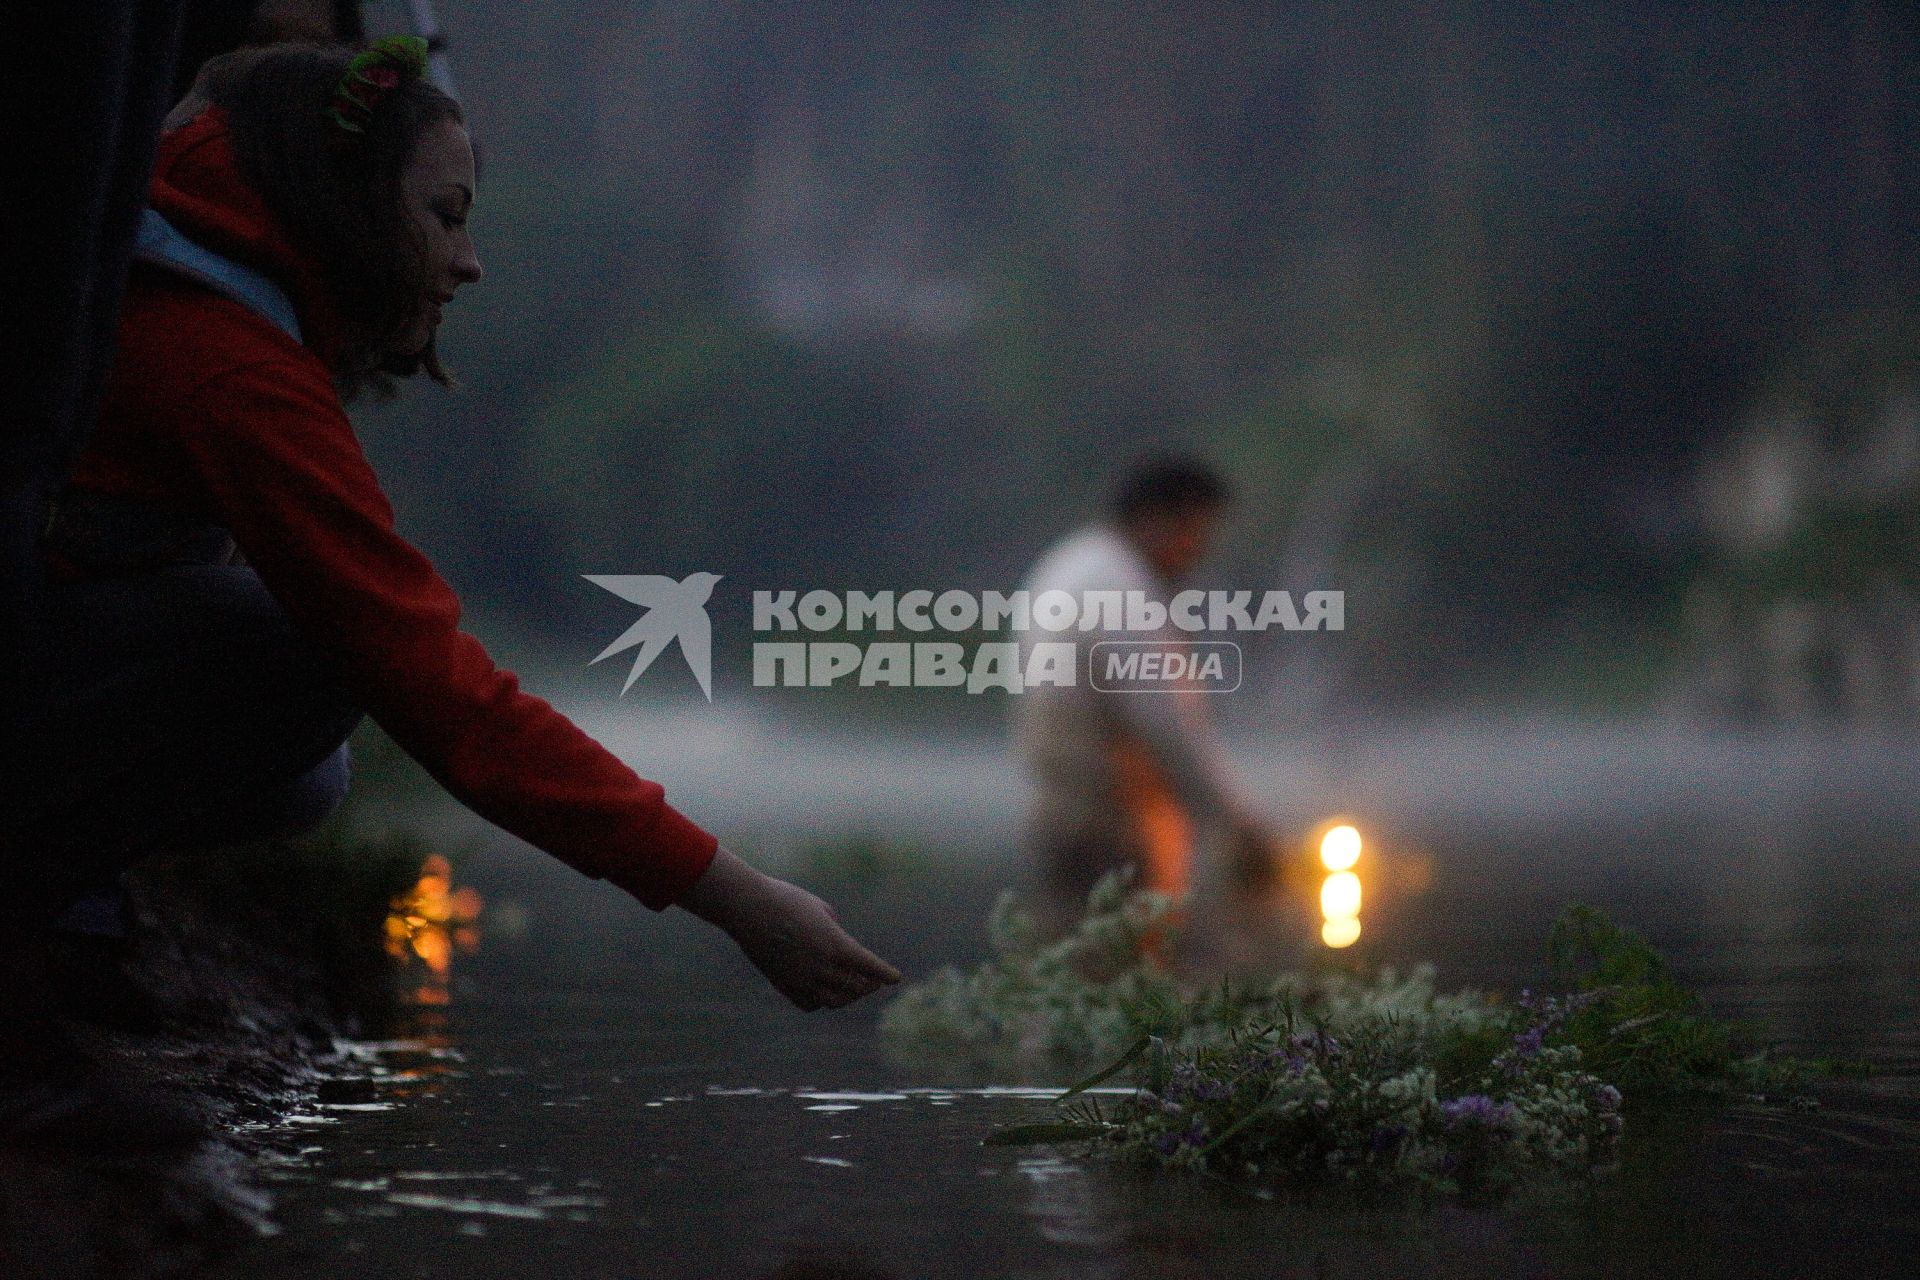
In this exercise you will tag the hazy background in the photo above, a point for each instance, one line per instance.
(1576, 343)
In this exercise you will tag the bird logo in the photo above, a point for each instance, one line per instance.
(674, 611)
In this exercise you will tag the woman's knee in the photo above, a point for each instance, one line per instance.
(186, 688)
(251, 630)
(284, 807)
(311, 798)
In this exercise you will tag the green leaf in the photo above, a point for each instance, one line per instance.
(1125, 1060)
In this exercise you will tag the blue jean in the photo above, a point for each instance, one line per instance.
(172, 709)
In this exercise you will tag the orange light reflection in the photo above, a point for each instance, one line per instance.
(430, 923)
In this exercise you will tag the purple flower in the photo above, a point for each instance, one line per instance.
(1281, 1060)
(1477, 1108)
(1172, 1141)
(1314, 1043)
(1550, 1011)
(1525, 1045)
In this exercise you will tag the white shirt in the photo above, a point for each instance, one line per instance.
(1064, 733)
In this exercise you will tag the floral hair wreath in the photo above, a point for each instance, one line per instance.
(374, 71)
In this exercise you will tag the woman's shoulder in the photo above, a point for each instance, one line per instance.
(180, 338)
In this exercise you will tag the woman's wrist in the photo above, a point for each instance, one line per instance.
(717, 896)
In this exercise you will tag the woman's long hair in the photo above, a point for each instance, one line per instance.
(338, 195)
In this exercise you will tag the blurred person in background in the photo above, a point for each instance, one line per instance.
(1133, 780)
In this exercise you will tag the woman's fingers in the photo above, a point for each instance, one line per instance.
(857, 960)
(842, 984)
(819, 985)
(850, 971)
(840, 988)
(882, 972)
(794, 939)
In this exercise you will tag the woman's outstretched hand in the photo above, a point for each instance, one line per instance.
(790, 935)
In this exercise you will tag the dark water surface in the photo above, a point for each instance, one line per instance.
(614, 1093)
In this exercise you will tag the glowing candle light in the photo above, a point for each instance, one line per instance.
(1339, 848)
(1340, 895)
(1342, 932)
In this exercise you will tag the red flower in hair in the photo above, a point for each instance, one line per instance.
(371, 75)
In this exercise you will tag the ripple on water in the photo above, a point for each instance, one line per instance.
(850, 1096)
(462, 1204)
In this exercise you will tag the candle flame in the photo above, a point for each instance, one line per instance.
(1340, 848)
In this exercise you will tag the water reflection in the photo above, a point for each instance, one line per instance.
(714, 1165)
(1065, 1202)
(1340, 933)
(430, 923)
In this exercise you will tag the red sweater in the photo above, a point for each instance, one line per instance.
(212, 409)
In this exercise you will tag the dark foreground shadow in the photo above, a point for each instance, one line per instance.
(133, 1101)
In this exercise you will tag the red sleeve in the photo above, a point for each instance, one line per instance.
(280, 464)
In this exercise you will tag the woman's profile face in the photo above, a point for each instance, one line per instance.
(438, 189)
